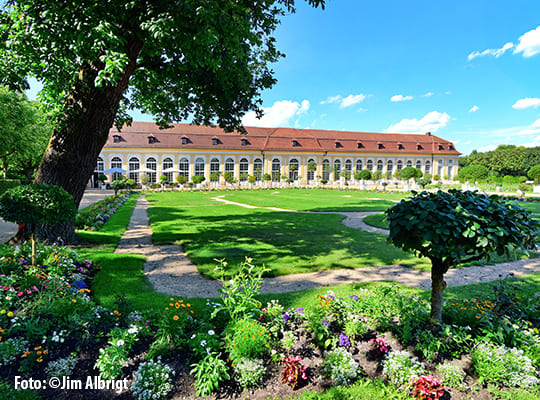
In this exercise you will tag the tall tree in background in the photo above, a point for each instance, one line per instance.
(25, 131)
(202, 60)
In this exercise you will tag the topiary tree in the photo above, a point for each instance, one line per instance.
(364, 174)
(534, 173)
(410, 172)
(37, 204)
(197, 179)
(118, 185)
(163, 179)
(473, 172)
(454, 227)
(181, 179)
(145, 179)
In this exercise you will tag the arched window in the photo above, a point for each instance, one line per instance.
(419, 164)
(312, 166)
(428, 167)
(151, 163)
(183, 166)
(214, 165)
(337, 169)
(348, 165)
(450, 168)
(369, 165)
(440, 168)
(293, 169)
(359, 165)
(244, 169)
(409, 163)
(133, 165)
(258, 168)
(326, 169)
(229, 166)
(199, 166)
(100, 165)
(390, 166)
(116, 162)
(380, 165)
(276, 170)
(399, 165)
(167, 163)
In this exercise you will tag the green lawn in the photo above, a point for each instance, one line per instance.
(284, 242)
(316, 199)
(377, 220)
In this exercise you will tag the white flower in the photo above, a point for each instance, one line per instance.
(120, 342)
(211, 332)
(203, 343)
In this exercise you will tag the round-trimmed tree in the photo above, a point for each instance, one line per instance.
(534, 173)
(410, 172)
(454, 227)
(37, 204)
(473, 172)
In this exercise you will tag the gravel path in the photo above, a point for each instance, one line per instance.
(171, 272)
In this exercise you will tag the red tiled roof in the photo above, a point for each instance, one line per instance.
(276, 139)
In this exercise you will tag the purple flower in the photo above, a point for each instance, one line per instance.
(331, 297)
(299, 310)
(286, 317)
(344, 340)
(325, 323)
(354, 297)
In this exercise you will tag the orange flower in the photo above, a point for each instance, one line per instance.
(40, 359)
(175, 317)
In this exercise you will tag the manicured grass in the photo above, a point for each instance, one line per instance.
(377, 220)
(284, 242)
(317, 199)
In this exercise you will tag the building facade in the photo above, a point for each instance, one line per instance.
(301, 155)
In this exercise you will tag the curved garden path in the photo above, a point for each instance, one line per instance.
(171, 272)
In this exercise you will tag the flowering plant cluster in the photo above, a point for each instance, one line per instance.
(153, 380)
(293, 372)
(379, 347)
(94, 217)
(426, 387)
(340, 366)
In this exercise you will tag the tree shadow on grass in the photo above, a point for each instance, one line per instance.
(284, 242)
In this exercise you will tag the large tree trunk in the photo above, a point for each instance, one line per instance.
(81, 133)
(438, 269)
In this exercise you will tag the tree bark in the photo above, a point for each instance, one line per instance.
(438, 269)
(80, 134)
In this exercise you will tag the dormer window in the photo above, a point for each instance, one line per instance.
(185, 140)
(338, 145)
(215, 141)
(380, 146)
(244, 142)
(441, 147)
(359, 145)
(116, 139)
(400, 146)
(419, 147)
(295, 143)
(450, 147)
(151, 139)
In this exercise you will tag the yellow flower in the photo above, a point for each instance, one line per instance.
(175, 317)
(3, 312)
(10, 314)
(73, 300)
(40, 359)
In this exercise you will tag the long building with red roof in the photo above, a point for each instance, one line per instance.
(301, 155)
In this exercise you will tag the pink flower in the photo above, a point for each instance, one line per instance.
(20, 294)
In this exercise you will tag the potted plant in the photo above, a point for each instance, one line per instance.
(181, 179)
(163, 180)
(144, 180)
(102, 178)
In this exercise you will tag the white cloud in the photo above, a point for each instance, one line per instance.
(400, 97)
(474, 109)
(428, 94)
(528, 102)
(529, 43)
(491, 52)
(348, 101)
(351, 100)
(332, 99)
(467, 142)
(489, 147)
(431, 122)
(278, 115)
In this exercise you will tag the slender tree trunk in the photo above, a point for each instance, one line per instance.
(81, 133)
(438, 269)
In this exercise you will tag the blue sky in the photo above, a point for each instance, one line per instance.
(467, 71)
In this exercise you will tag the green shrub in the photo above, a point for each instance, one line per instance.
(6, 184)
(364, 174)
(209, 373)
(181, 179)
(473, 173)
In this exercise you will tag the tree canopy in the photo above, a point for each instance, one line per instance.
(451, 228)
(505, 159)
(198, 60)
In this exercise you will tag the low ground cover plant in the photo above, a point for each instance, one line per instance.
(94, 217)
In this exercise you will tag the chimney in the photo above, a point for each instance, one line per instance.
(428, 133)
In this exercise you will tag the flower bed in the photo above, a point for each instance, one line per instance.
(239, 348)
(94, 217)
